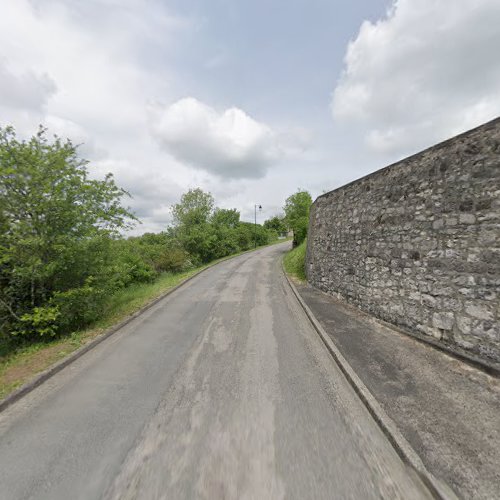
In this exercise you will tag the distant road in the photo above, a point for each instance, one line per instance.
(222, 391)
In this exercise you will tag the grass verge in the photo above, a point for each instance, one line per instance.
(21, 364)
(295, 260)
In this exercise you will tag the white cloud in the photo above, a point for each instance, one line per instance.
(230, 144)
(84, 62)
(89, 71)
(427, 71)
(84, 70)
(26, 90)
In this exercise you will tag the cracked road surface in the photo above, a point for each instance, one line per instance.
(220, 391)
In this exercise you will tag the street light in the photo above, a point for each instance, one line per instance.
(255, 226)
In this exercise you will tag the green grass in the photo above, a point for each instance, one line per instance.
(20, 363)
(128, 300)
(295, 260)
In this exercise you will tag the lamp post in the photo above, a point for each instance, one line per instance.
(255, 226)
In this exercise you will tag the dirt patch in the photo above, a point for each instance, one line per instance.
(21, 368)
(33, 363)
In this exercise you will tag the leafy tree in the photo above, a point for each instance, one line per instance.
(226, 217)
(192, 224)
(276, 223)
(224, 226)
(251, 233)
(195, 208)
(296, 211)
(57, 225)
(209, 233)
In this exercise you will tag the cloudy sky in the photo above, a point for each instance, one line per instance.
(248, 99)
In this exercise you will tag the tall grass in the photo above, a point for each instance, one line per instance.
(295, 261)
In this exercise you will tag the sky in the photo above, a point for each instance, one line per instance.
(247, 99)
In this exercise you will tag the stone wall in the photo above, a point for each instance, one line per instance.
(417, 243)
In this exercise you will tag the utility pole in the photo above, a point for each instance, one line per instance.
(255, 226)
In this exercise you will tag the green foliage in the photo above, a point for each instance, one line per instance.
(226, 218)
(277, 224)
(78, 307)
(192, 223)
(56, 224)
(295, 261)
(43, 320)
(173, 260)
(194, 209)
(162, 252)
(254, 235)
(297, 214)
(207, 233)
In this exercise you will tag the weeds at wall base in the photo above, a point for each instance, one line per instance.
(294, 262)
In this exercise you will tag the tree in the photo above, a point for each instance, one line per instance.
(56, 227)
(195, 208)
(224, 224)
(296, 211)
(192, 223)
(226, 217)
(276, 223)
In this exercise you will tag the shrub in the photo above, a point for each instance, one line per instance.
(173, 260)
(78, 307)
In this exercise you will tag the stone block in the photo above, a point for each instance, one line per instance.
(466, 218)
(443, 320)
(428, 300)
(464, 324)
(479, 311)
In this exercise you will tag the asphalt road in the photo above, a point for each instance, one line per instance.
(222, 391)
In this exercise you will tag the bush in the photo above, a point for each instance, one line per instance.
(64, 312)
(41, 321)
(174, 260)
(56, 226)
(78, 307)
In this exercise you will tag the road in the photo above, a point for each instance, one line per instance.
(220, 391)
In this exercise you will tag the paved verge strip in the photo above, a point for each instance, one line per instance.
(439, 489)
(57, 367)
